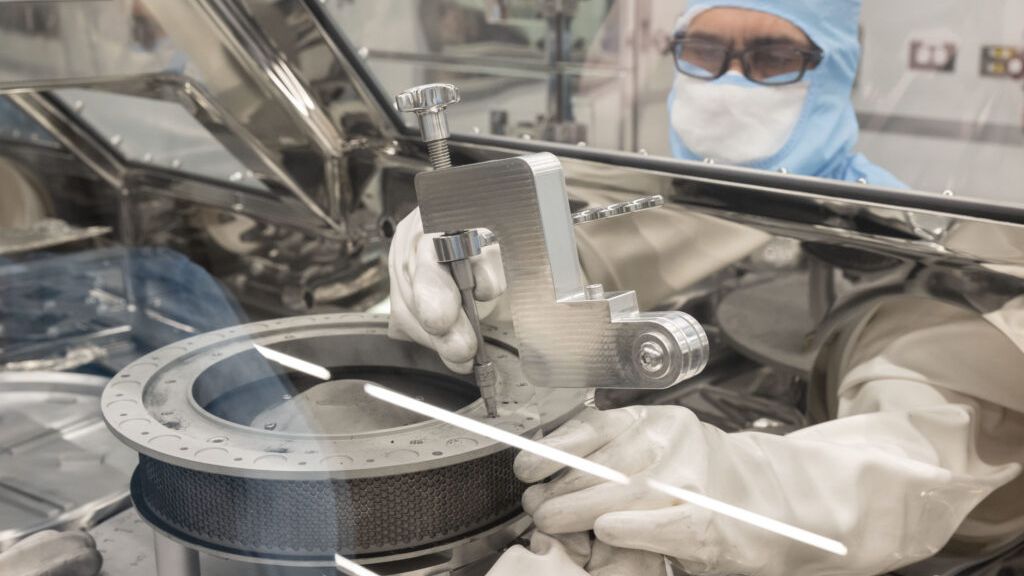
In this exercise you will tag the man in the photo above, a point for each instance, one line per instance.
(766, 84)
(929, 413)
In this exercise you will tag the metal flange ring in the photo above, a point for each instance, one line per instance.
(226, 460)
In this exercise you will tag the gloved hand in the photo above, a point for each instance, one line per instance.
(575, 555)
(426, 306)
(52, 553)
(876, 482)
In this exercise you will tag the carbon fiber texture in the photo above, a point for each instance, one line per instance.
(317, 518)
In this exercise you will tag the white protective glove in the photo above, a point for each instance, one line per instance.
(892, 486)
(52, 553)
(426, 306)
(575, 555)
(931, 422)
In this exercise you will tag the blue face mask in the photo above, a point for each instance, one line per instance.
(822, 139)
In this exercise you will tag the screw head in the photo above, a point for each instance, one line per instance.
(427, 98)
(652, 357)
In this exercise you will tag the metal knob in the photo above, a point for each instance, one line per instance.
(428, 102)
(619, 209)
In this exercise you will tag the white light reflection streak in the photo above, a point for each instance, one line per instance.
(583, 465)
(752, 518)
(496, 434)
(351, 568)
(293, 362)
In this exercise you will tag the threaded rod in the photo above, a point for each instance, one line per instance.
(439, 156)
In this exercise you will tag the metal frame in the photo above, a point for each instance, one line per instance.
(127, 177)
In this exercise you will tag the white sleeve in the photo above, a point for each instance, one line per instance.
(918, 356)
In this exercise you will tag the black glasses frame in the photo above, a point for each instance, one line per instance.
(811, 57)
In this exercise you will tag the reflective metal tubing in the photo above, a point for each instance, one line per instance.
(173, 558)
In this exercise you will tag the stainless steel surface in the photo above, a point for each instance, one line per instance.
(173, 558)
(60, 468)
(617, 209)
(47, 233)
(275, 86)
(149, 405)
(210, 408)
(565, 339)
(249, 56)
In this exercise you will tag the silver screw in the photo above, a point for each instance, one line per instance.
(429, 102)
(652, 357)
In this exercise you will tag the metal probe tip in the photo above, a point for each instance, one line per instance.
(487, 380)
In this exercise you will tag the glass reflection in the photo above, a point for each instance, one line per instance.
(856, 91)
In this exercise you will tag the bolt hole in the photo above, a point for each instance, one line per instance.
(302, 463)
(124, 413)
(145, 433)
(370, 461)
(238, 459)
(183, 448)
(387, 228)
(437, 453)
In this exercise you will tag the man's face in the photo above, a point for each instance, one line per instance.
(714, 32)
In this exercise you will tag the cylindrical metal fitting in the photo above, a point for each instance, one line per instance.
(459, 246)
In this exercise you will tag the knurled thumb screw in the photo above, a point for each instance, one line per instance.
(429, 102)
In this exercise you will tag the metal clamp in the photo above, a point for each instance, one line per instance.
(569, 335)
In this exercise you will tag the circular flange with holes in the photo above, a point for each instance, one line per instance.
(244, 452)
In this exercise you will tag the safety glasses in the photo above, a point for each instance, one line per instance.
(770, 64)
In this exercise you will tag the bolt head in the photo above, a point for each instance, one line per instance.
(652, 357)
(428, 97)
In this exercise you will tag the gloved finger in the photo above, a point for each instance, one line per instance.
(609, 561)
(50, 553)
(458, 344)
(581, 436)
(576, 512)
(684, 531)
(402, 256)
(575, 545)
(459, 367)
(402, 325)
(517, 561)
(489, 274)
(485, 309)
(629, 453)
(436, 301)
